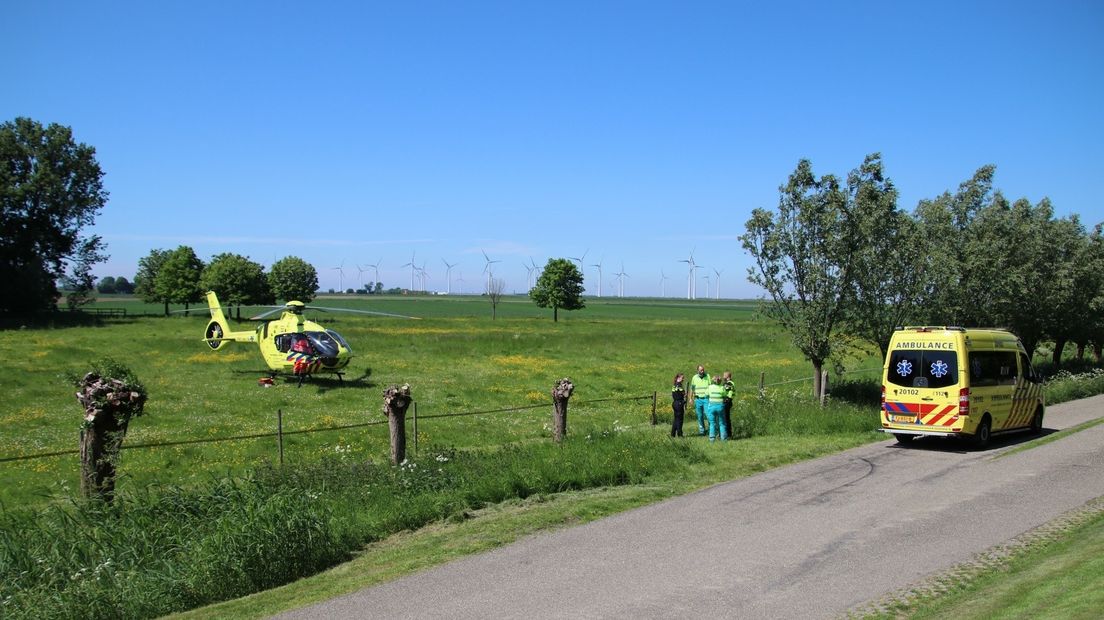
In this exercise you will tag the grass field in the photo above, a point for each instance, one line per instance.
(456, 359)
(200, 523)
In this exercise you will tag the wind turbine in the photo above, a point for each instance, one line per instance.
(690, 275)
(535, 268)
(340, 276)
(621, 275)
(460, 280)
(375, 269)
(529, 273)
(599, 266)
(448, 275)
(579, 260)
(662, 284)
(707, 285)
(360, 274)
(423, 275)
(487, 267)
(717, 286)
(413, 268)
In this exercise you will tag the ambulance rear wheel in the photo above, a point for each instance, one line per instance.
(984, 433)
(1037, 421)
(904, 439)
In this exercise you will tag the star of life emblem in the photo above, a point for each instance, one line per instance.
(904, 368)
(939, 368)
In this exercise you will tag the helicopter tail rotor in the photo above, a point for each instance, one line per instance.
(217, 329)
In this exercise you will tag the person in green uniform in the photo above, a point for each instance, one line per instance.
(715, 411)
(729, 394)
(699, 391)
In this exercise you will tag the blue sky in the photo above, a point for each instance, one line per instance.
(638, 132)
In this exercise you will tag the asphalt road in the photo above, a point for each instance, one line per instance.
(809, 540)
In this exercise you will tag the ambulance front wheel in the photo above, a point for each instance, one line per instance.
(984, 433)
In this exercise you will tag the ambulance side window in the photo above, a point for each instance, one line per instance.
(1027, 370)
(990, 368)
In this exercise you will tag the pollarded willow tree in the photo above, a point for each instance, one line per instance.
(804, 255)
(560, 285)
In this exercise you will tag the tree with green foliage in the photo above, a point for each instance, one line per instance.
(51, 189)
(948, 263)
(1078, 281)
(236, 280)
(887, 280)
(106, 285)
(123, 286)
(293, 278)
(804, 258)
(560, 285)
(145, 280)
(178, 278)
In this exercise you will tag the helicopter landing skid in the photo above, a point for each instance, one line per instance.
(303, 377)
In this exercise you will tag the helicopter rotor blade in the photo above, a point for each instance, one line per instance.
(372, 312)
(265, 315)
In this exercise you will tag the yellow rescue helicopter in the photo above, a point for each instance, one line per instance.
(290, 343)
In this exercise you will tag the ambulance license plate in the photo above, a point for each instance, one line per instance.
(904, 419)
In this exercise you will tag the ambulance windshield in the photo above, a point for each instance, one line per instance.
(926, 369)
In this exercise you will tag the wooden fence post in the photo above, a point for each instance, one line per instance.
(560, 394)
(415, 428)
(762, 384)
(395, 401)
(655, 397)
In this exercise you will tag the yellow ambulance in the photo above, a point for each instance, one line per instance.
(953, 381)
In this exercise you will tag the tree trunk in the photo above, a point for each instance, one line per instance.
(395, 402)
(818, 367)
(100, 444)
(1080, 351)
(1059, 345)
(397, 424)
(555, 314)
(1097, 350)
(560, 395)
(166, 307)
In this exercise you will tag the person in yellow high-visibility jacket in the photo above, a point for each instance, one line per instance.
(715, 410)
(699, 391)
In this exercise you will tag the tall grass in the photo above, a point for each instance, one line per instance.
(1065, 386)
(172, 548)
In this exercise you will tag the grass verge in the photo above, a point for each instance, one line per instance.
(1053, 571)
(170, 548)
(503, 523)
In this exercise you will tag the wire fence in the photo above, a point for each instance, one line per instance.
(280, 433)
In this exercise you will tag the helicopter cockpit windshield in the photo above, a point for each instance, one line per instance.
(336, 336)
(323, 344)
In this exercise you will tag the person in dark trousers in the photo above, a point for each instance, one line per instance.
(729, 394)
(678, 404)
